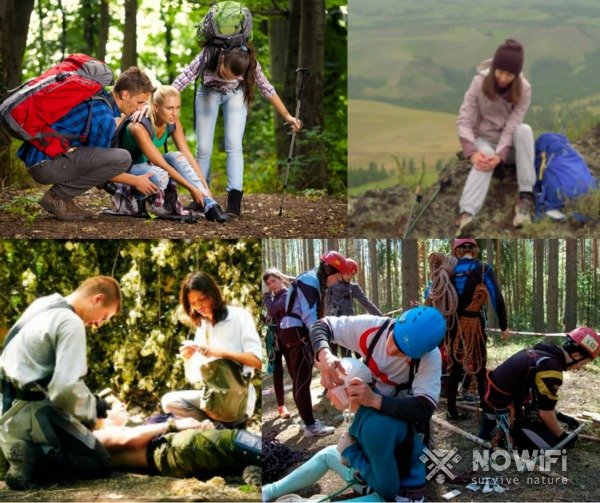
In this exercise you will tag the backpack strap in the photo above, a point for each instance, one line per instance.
(291, 299)
(378, 335)
(413, 369)
(119, 134)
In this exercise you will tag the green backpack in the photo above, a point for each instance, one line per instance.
(227, 24)
(225, 390)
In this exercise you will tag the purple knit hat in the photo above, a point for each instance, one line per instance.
(509, 57)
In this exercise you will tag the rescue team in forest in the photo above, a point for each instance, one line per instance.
(394, 390)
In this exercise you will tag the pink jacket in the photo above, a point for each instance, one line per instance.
(493, 120)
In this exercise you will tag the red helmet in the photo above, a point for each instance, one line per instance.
(335, 260)
(458, 242)
(587, 339)
(351, 267)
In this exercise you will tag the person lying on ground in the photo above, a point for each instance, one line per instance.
(522, 393)
(143, 140)
(180, 448)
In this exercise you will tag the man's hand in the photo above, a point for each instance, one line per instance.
(360, 392)
(144, 185)
(138, 115)
(331, 369)
(187, 423)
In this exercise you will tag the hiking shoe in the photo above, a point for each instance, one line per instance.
(234, 202)
(283, 412)
(469, 397)
(87, 215)
(21, 458)
(194, 206)
(523, 212)
(318, 429)
(458, 416)
(59, 207)
(462, 222)
(215, 214)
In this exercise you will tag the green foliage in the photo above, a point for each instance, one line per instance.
(137, 352)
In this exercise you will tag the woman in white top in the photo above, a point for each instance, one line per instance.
(222, 332)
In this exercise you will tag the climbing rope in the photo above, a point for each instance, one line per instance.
(277, 457)
(468, 346)
(442, 294)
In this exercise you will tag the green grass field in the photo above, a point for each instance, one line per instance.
(379, 131)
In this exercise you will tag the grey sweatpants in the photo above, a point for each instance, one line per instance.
(478, 182)
(73, 173)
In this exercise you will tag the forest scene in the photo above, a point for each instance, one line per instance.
(549, 287)
(160, 38)
(137, 353)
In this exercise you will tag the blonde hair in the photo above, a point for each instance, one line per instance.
(158, 97)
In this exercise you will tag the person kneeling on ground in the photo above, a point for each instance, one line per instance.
(143, 140)
(528, 383)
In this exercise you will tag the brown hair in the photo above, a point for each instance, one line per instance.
(204, 283)
(460, 253)
(105, 285)
(133, 80)
(513, 94)
(242, 63)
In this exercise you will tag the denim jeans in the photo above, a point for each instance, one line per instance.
(160, 177)
(235, 111)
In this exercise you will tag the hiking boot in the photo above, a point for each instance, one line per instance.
(60, 208)
(457, 416)
(194, 206)
(283, 412)
(215, 214)
(523, 212)
(21, 458)
(318, 429)
(462, 223)
(87, 215)
(234, 202)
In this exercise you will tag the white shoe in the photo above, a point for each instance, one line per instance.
(462, 223)
(556, 215)
(318, 429)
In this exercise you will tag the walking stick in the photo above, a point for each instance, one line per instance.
(446, 182)
(303, 73)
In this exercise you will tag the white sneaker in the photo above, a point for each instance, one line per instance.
(318, 429)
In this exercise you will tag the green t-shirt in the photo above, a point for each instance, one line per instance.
(131, 145)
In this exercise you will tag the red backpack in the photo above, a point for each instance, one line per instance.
(31, 109)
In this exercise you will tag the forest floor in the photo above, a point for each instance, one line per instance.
(386, 212)
(303, 217)
(575, 397)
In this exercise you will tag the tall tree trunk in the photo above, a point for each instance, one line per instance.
(130, 35)
(388, 276)
(14, 19)
(103, 28)
(63, 30)
(278, 42)
(312, 56)
(89, 14)
(538, 285)
(374, 294)
(570, 316)
(410, 272)
(284, 261)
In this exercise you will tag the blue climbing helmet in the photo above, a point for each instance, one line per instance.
(419, 330)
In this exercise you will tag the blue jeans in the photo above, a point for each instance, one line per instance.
(160, 177)
(235, 111)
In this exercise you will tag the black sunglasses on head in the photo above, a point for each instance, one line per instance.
(466, 247)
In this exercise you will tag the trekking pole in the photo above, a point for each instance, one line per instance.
(303, 73)
(417, 199)
(445, 182)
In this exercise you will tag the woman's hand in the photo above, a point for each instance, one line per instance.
(295, 123)
(209, 351)
(138, 115)
(187, 350)
(484, 162)
(197, 196)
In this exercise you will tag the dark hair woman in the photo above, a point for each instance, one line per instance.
(222, 331)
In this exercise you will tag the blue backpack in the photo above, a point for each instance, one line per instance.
(562, 174)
